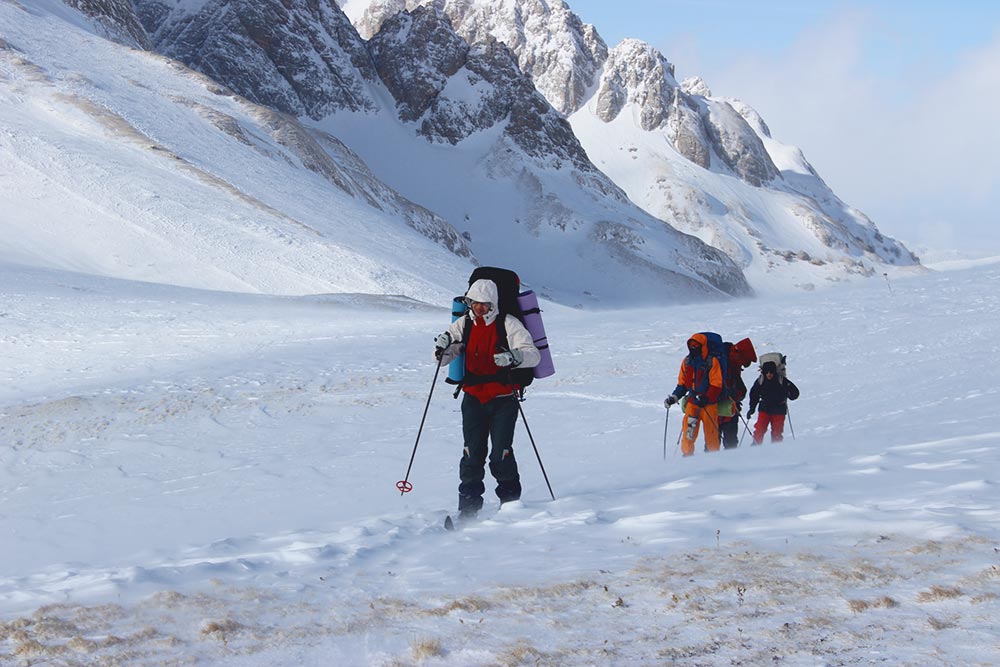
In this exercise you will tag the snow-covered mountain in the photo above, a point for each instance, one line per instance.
(707, 165)
(481, 132)
(120, 162)
(561, 54)
(462, 131)
(710, 167)
(114, 19)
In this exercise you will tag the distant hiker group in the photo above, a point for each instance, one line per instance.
(710, 390)
(496, 345)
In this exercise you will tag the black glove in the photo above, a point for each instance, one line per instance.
(701, 400)
(750, 414)
(669, 400)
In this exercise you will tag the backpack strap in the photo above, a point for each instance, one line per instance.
(466, 328)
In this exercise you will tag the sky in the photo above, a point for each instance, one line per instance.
(894, 103)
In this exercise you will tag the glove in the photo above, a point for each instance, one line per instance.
(441, 343)
(669, 400)
(700, 400)
(511, 358)
(750, 414)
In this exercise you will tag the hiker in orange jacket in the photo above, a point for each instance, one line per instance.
(700, 379)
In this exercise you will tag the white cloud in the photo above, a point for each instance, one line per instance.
(910, 141)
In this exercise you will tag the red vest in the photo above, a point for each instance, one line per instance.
(479, 351)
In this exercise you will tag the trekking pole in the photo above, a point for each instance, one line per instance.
(887, 282)
(792, 428)
(715, 427)
(746, 430)
(665, 422)
(404, 485)
(537, 455)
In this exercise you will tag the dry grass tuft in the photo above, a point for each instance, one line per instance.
(423, 649)
(941, 624)
(470, 604)
(521, 653)
(937, 593)
(858, 606)
(884, 602)
(221, 630)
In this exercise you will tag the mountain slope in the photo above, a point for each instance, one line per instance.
(301, 58)
(120, 162)
(462, 131)
(711, 167)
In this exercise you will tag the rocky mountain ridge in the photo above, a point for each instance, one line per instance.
(301, 58)
(722, 136)
(447, 91)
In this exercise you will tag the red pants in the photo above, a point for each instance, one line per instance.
(777, 424)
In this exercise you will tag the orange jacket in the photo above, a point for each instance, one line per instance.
(700, 375)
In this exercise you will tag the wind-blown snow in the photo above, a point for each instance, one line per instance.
(193, 476)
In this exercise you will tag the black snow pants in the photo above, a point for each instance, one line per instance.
(730, 432)
(481, 422)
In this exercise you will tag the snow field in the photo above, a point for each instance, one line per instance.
(206, 477)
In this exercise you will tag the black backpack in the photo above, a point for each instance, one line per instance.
(508, 289)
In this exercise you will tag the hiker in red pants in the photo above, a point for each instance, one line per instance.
(772, 392)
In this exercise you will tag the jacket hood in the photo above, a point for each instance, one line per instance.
(702, 340)
(485, 291)
(745, 352)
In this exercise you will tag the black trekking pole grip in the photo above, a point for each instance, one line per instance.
(404, 485)
(537, 455)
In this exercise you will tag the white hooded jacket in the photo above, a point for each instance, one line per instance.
(518, 338)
